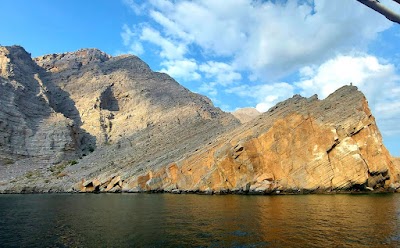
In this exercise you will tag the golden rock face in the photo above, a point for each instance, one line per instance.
(302, 145)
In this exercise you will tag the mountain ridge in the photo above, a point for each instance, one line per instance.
(111, 124)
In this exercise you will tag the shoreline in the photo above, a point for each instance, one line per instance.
(185, 192)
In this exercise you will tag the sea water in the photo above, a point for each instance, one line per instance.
(167, 220)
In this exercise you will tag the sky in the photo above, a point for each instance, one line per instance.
(239, 53)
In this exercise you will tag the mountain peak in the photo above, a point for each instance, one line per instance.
(71, 60)
(14, 60)
(246, 114)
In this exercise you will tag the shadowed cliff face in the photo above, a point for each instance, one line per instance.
(116, 97)
(86, 121)
(121, 116)
(31, 132)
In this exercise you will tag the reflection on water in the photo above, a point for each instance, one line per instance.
(165, 220)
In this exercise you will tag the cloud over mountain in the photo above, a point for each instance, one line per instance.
(261, 52)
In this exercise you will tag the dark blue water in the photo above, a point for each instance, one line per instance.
(165, 220)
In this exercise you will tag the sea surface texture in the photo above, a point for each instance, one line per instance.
(167, 220)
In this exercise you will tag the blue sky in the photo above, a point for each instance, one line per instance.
(239, 53)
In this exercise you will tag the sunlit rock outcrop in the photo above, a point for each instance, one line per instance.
(301, 145)
(88, 122)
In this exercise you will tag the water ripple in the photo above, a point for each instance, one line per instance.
(163, 220)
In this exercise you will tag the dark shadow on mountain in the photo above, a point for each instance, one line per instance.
(61, 102)
(108, 100)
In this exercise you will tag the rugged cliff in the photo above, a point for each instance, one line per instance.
(31, 132)
(121, 117)
(300, 145)
(86, 121)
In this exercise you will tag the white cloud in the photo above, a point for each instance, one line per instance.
(181, 69)
(266, 95)
(378, 81)
(170, 27)
(265, 38)
(214, 25)
(209, 89)
(342, 70)
(242, 47)
(165, 5)
(131, 41)
(136, 48)
(270, 38)
(364, 71)
(137, 8)
(169, 49)
(126, 35)
(223, 73)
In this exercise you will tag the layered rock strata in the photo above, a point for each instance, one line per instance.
(300, 145)
(31, 132)
(89, 122)
(124, 117)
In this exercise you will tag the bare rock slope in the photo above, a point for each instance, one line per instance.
(300, 145)
(31, 132)
(86, 121)
(246, 114)
(121, 116)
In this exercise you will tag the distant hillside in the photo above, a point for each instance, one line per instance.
(246, 114)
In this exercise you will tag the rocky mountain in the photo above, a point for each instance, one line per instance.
(116, 112)
(300, 145)
(246, 114)
(86, 121)
(31, 132)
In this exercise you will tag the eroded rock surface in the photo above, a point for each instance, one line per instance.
(300, 145)
(89, 122)
(124, 117)
(32, 134)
